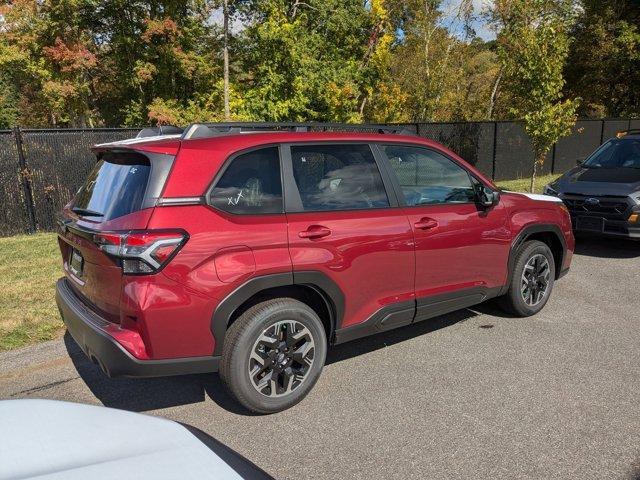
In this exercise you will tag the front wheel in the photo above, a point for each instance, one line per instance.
(273, 355)
(532, 280)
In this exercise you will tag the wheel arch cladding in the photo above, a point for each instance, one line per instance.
(549, 234)
(313, 288)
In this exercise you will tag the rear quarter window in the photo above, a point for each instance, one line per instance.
(250, 185)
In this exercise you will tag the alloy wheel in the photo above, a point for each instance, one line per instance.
(535, 280)
(281, 358)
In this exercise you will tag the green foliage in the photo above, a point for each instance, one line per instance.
(444, 77)
(133, 62)
(604, 60)
(8, 104)
(533, 45)
(309, 60)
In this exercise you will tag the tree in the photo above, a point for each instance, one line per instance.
(443, 76)
(307, 60)
(533, 45)
(22, 66)
(604, 59)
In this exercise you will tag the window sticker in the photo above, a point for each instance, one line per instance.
(234, 201)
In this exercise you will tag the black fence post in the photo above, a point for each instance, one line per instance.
(25, 180)
(493, 155)
(553, 158)
(602, 131)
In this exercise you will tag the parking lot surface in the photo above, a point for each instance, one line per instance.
(474, 394)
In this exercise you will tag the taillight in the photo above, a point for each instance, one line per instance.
(141, 252)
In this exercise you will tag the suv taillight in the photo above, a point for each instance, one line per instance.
(141, 252)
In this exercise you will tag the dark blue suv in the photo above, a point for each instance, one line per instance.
(602, 192)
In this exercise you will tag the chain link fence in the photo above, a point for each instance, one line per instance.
(41, 169)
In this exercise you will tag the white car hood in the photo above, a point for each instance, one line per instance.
(61, 440)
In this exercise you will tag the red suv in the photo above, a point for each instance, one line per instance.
(248, 252)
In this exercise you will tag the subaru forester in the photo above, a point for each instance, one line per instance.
(252, 249)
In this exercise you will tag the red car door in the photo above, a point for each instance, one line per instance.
(461, 248)
(343, 224)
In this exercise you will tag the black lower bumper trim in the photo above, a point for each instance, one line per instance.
(83, 325)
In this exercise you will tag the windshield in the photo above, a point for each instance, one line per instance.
(115, 187)
(616, 153)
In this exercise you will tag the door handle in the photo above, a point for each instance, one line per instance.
(426, 223)
(315, 231)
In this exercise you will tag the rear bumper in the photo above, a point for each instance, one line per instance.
(86, 328)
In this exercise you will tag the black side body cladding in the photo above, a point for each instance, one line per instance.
(387, 318)
(400, 314)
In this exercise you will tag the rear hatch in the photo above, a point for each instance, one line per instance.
(118, 196)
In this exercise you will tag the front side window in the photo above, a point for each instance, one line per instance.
(251, 184)
(428, 177)
(337, 177)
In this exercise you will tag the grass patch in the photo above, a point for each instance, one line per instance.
(29, 267)
(522, 184)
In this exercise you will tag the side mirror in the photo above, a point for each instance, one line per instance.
(487, 197)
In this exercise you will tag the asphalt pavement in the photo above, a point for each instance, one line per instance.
(473, 394)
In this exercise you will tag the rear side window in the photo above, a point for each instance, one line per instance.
(251, 184)
(428, 177)
(337, 177)
(116, 186)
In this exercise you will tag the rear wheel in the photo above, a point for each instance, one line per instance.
(532, 280)
(273, 355)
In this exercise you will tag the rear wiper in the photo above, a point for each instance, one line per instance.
(86, 213)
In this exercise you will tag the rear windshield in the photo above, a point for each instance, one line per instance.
(115, 187)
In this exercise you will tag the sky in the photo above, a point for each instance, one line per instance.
(450, 8)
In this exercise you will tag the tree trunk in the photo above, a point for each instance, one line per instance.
(225, 13)
(538, 161)
(533, 176)
(494, 91)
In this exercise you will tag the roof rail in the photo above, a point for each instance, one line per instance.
(159, 130)
(204, 130)
(631, 131)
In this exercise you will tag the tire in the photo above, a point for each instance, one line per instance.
(284, 341)
(524, 301)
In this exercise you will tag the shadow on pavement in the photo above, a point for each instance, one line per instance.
(135, 394)
(143, 394)
(604, 247)
(364, 345)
